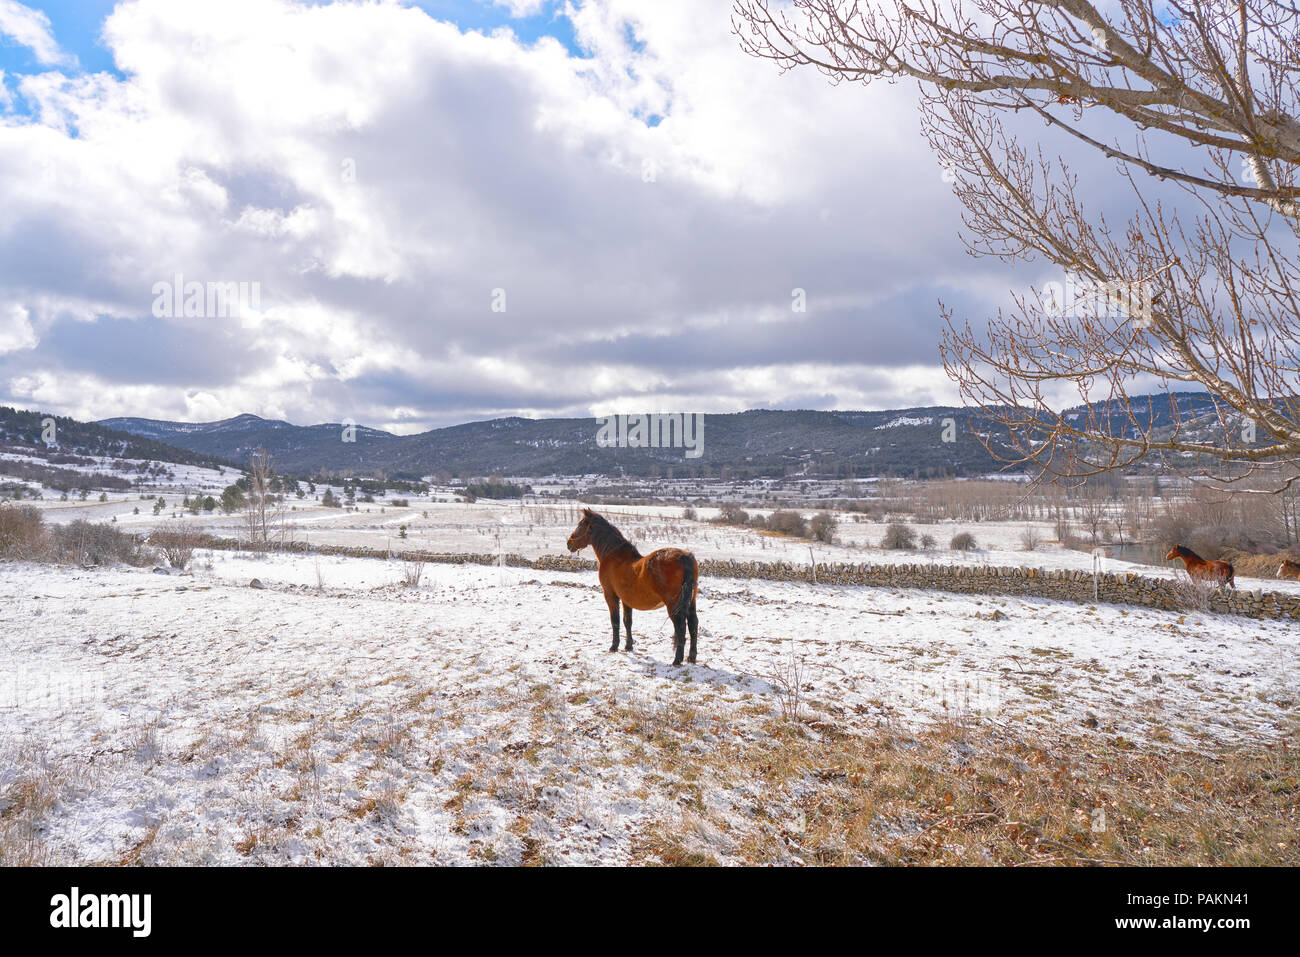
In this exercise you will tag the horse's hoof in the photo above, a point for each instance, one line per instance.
(615, 648)
(691, 660)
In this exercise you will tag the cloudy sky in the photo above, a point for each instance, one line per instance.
(458, 210)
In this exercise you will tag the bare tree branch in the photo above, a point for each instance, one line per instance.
(1202, 297)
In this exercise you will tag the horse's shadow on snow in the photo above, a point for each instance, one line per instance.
(653, 667)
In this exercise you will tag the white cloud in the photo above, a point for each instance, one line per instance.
(521, 8)
(16, 330)
(31, 28)
(380, 173)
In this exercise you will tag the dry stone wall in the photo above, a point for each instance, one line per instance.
(1126, 588)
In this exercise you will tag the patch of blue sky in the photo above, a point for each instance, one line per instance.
(77, 27)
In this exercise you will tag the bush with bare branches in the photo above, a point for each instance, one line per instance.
(22, 533)
(787, 522)
(898, 536)
(1191, 594)
(89, 543)
(821, 528)
(177, 542)
(412, 572)
(962, 542)
(786, 675)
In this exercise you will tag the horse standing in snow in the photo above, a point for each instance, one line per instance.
(1288, 569)
(1198, 569)
(668, 577)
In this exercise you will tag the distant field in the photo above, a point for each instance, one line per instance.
(533, 530)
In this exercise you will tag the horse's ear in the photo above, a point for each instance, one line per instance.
(587, 512)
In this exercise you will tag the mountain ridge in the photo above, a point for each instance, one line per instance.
(904, 442)
(63, 454)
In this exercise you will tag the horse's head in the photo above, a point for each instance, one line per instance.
(580, 537)
(1175, 552)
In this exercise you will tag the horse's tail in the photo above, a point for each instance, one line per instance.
(1232, 576)
(690, 576)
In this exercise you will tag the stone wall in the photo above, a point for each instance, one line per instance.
(1126, 588)
(1063, 585)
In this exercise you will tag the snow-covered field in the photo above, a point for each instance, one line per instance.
(337, 715)
(533, 530)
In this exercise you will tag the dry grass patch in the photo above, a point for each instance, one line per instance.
(971, 793)
(658, 846)
(33, 786)
(136, 855)
(988, 795)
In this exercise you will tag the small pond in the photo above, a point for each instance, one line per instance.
(1141, 553)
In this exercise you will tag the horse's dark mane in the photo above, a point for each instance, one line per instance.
(1184, 550)
(605, 538)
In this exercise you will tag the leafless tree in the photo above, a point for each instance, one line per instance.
(1092, 514)
(261, 507)
(1030, 539)
(1287, 514)
(1119, 524)
(1201, 292)
(1138, 512)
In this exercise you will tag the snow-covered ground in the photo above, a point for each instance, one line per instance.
(163, 476)
(533, 530)
(338, 716)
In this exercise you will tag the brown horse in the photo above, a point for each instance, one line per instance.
(1288, 569)
(1198, 569)
(668, 578)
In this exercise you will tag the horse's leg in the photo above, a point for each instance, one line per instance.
(693, 622)
(679, 637)
(611, 599)
(627, 623)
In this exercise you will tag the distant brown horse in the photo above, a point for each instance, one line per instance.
(1198, 569)
(667, 578)
(1288, 569)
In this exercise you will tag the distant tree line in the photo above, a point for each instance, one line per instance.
(496, 490)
